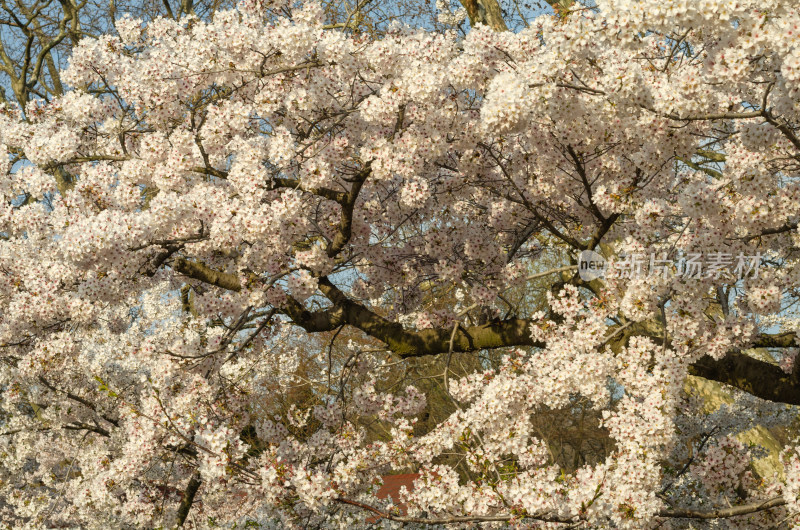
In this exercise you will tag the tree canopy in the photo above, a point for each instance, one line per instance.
(205, 205)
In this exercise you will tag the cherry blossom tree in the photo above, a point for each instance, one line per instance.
(211, 209)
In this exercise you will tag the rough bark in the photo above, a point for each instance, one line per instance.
(747, 373)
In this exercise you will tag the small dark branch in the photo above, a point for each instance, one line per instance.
(788, 227)
(586, 89)
(706, 437)
(525, 202)
(722, 513)
(188, 499)
(17, 431)
(79, 426)
(716, 116)
(783, 128)
(674, 49)
(581, 169)
(287, 69)
(97, 158)
(522, 238)
(609, 221)
(330, 354)
(571, 241)
(267, 319)
(86, 403)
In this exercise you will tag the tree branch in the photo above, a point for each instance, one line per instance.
(759, 378)
(496, 334)
(200, 271)
(188, 499)
(721, 513)
(342, 237)
(85, 402)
